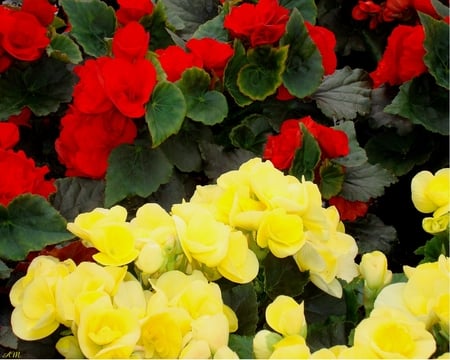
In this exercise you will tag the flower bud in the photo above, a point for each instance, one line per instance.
(373, 268)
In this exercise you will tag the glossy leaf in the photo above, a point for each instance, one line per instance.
(29, 223)
(92, 22)
(306, 157)
(331, 179)
(165, 112)
(63, 48)
(304, 70)
(262, 76)
(345, 94)
(135, 170)
(206, 106)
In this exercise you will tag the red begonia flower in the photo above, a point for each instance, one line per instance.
(22, 177)
(133, 10)
(41, 9)
(129, 85)
(349, 210)
(9, 135)
(22, 35)
(283, 94)
(130, 42)
(5, 59)
(325, 41)
(403, 57)
(23, 119)
(261, 23)
(174, 60)
(214, 54)
(425, 6)
(86, 141)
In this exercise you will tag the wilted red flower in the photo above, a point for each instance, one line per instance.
(41, 9)
(22, 36)
(9, 135)
(130, 42)
(325, 41)
(403, 58)
(214, 54)
(174, 60)
(349, 210)
(261, 23)
(86, 141)
(22, 177)
(133, 10)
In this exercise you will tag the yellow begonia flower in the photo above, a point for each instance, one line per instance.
(282, 233)
(196, 349)
(151, 257)
(374, 270)
(240, 264)
(392, 334)
(107, 332)
(233, 322)
(286, 316)
(291, 347)
(263, 343)
(430, 192)
(439, 222)
(85, 222)
(445, 355)
(162, 336)
(115, 243)
(225, 353)
(130, 295)
(201, 298)
(68, 347)
(214, 329)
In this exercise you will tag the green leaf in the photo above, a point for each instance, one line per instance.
(399, 154)
(436, 45)
(213, 28)
(307, 157)
(438, 245)
(5, 271)
(372, 234)
(135, 170)
(344, 94)
(29, 223)
(331, 179)
(235, 64)
(63, 48)
(251, 133)
(307, 8)
(241, 345)
(182, 151)
(261, 77)
(366, 182)
(165, 112)
(357, 155)
(78, 195)
(440, 8)
(206, 106)
(424, 103)
(157, 25)
(283, 277)
(42, 87)
(327, 334)
(93, 22)
(304, 70)
(242, 299)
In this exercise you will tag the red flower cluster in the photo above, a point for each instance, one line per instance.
(133, 10)
(349, 210)
(207, 53)
(22, 176)
(23, 32)
(403, 58)
(110, 92)
(280, 149)
(261, 24)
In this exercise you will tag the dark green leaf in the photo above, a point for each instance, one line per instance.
(5, 272)
(440, 8)
(344, 94)
(63, 48)
(251, 133)
(436, 45)
(213, 29)
(372, 234)
(327, 334)
(135, 170)
(261, 77)
(283, 277)
(433, 248)
(157, 25)
(331, 179)
(78, 195)
(424, 103)
(165, 112)
(242, 299)
(235, 64)
(357, 155)
(93, 23)
(307, 8)
(206, 106)
(399, 154)
(304, 70)
(182, 151)
(241, 345)
(365, 182)
(307, 157)
(29, 223)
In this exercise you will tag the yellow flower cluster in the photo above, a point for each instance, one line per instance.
(431, 194)
(111, 316)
